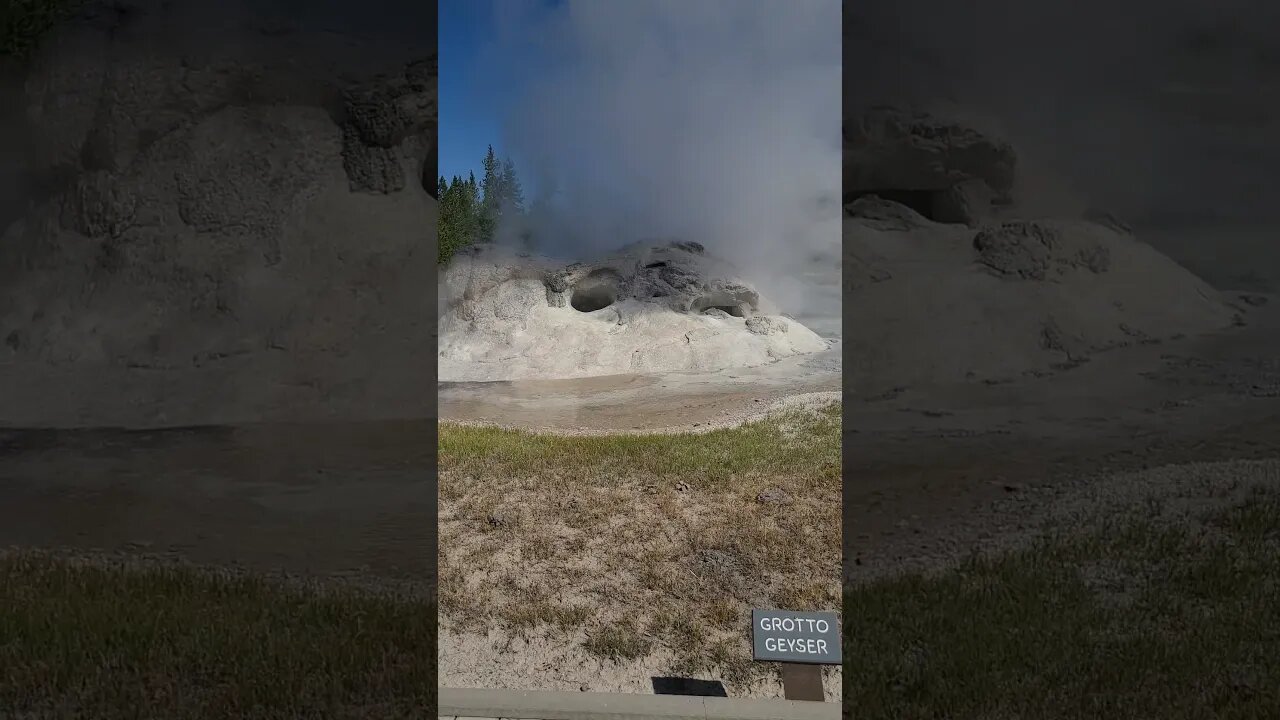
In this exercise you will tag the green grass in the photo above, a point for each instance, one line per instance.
(111, 639)
(24, 22)
(1138, 621)
(794, 444)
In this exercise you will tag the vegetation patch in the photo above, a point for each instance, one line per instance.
(642, 544)
(121, 638)
(1142, 620)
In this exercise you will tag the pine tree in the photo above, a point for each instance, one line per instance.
(489, 184)
(473, 190)
(458, 217)
(512, 192)
(491, 199)
(470, 210)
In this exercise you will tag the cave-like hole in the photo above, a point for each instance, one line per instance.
(923, 202)
(734, 310)
(736, 303)
(597, 291)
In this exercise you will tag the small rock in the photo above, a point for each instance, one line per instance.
(967, 202)
(766, 325)
(774, 496)
(1017, 249)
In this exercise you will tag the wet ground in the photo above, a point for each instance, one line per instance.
(354, 500)
(624, 403)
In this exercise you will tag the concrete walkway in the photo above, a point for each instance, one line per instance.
(477, 704)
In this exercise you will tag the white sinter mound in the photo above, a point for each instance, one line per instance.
(647, 308)
(941, 302)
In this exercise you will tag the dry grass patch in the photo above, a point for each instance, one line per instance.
(1142, 619)
(642, 543)
(115, 638)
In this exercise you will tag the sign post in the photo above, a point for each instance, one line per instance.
(803, 642)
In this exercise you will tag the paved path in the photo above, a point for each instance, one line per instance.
(478, 704)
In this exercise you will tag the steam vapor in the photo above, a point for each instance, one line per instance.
(716, 121)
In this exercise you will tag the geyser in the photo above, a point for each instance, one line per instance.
(669, 307)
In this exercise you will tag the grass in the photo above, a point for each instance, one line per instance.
(641, 544)
(1140, 620)
(24, 22)
(798, 443)
(123, 639)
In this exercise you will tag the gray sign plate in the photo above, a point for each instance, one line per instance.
(796, 637)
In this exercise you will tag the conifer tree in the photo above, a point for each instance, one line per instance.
(512, 192)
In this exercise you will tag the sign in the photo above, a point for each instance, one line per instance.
(786, 636)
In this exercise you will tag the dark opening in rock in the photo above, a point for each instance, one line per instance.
(734, 310)
(596, 291)
(924, 202)
(737, 304)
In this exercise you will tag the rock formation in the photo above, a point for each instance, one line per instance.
(947, 280)
(231, 221)
(942, 169)
(657, 307)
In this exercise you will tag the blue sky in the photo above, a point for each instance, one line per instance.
(476, 72)
(468, 113)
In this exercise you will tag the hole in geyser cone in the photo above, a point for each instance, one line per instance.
(736, 304)
(734, 310)
(593, 294)
(923, 202)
